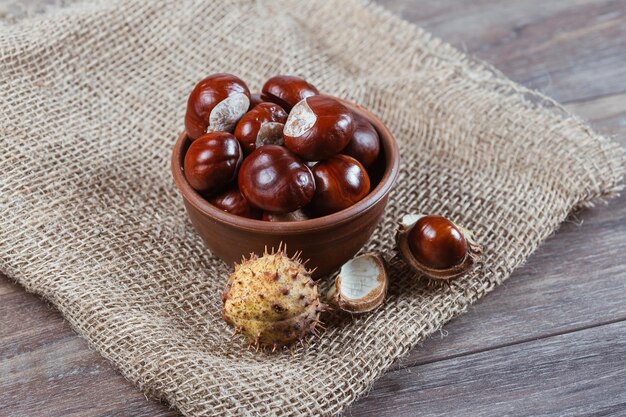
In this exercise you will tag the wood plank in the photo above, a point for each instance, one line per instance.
(574, 374)
(8, 287)
(607, 114)
(46, 369)
(553, 46)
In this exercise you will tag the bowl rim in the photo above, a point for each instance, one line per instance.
(384, 186)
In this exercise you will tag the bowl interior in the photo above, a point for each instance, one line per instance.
(383, 176)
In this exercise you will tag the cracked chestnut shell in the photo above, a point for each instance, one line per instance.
(211, 162)
(216, 104)
(435, 246)
(274, 179)
(287, 90)
(361, 284)
(263, 125)
(318, 127)
(235, 203)
(364, 146)
(340, 182)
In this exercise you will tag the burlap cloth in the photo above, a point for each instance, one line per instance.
(93, 97)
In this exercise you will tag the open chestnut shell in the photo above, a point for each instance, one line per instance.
(340, 182)
(318, 127)
(211, 162)
(436, 247)
(263, 125)
(234, 202)
(287, 90)
(361, 284)
(216, 104)
(274, 179)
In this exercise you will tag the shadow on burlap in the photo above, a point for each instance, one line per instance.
(93, 97)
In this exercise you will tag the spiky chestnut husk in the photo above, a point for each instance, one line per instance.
(472, 256)
(272, 300)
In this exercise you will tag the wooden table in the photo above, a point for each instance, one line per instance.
(550, 341)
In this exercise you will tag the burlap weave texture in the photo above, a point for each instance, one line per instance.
(93, 97)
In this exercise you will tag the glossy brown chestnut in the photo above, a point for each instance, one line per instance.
(318, 127)
(437, 242)
(436, 247)
(235, 203)
(274, 179)
(255, 99)
(365, 143)
(294, 216)
(263, 125)
(340, 182)
(287, 90)
(211, 162)
(216, 104)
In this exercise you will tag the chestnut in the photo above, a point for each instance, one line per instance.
(287, 90)
(216, 104)
(364, 146)
(211, 162)
(340, 182)
(318, 127)
(274, 179)
(294, 216)
(437, 242)
(436, 246)
(263, 125)
(235, 203)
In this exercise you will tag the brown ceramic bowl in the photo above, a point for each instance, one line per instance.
(327, 241)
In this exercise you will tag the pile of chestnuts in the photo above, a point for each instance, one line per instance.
(286, 154)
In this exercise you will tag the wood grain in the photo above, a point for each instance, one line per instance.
(575, 374)
(548, 341)
(554, 46)
(46, 370)
(608, 114)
